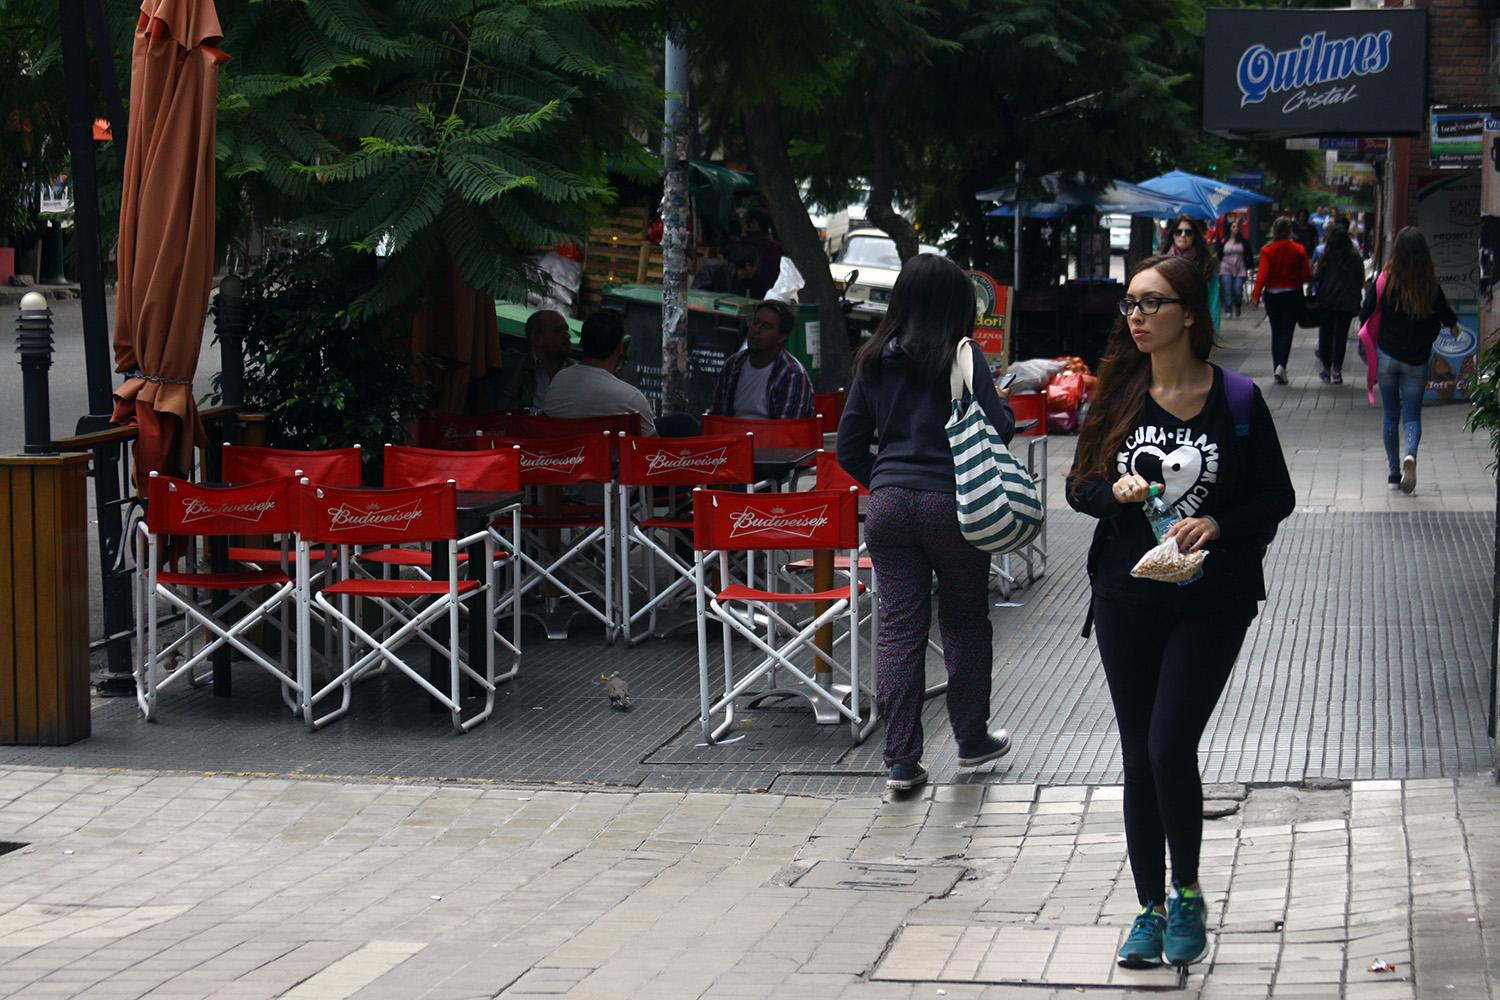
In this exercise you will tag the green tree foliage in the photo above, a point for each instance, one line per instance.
(33, 131)
(463, 131)
(326, 379)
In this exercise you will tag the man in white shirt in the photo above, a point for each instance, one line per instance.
(590, 388)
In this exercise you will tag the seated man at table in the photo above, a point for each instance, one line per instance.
(764, 380)
(525, 376)
(590, 388)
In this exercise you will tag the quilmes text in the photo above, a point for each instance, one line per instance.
(1316, 61)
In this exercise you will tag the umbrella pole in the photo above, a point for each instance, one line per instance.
(1015, 278)
(97, 352)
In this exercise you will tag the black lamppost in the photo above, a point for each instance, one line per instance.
(34, 345)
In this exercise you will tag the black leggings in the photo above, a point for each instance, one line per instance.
(1165, 676)
(1333, 338)
(1281, 312)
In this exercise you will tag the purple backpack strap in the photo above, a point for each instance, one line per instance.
(1241, 392)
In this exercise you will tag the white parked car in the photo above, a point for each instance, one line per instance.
(1119, 232)
(872, 254)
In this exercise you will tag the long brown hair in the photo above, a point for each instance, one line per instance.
(1125, 372)
(1410, 278)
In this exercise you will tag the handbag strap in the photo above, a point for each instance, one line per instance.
(962, 375)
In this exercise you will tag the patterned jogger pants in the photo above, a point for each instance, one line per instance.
(911, 534)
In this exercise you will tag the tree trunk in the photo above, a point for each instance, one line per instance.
(878, 207)
(799, 238)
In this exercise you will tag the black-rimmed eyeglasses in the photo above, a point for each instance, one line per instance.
(1148, 306)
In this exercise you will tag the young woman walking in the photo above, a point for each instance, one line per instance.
(900, 396)
(1164, 417)
(1188, 241)
(1282, 272)
(1412, 306)
(1234, 259)
(1340, 277)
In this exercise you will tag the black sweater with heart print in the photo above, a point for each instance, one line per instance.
(1207, 471)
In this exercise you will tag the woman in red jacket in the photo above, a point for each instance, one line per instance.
(1283, 270)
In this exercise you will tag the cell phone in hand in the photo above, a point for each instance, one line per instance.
(1005, 381)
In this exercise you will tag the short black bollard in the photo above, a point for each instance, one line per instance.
(34, 345)
(229, 327)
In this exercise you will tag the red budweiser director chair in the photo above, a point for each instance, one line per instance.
(332, 516)
(653, 473)
(179, 508)
(824, 521)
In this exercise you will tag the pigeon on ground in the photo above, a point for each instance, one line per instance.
(619, 693)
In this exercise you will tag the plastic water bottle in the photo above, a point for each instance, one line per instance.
(1162, 516)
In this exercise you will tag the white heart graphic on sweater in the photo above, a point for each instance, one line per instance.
(1180, 469)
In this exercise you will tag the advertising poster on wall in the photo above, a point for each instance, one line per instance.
(993, 307)
(1455, 137)
(1448, 215)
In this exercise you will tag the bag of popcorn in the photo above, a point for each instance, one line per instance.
(1166, 563)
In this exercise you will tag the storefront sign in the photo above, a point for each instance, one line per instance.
(1315, 72)
(993, 307)
(1455, 137)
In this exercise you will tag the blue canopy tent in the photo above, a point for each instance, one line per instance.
(1203, 197)
(1073, 193)
(1069, 194)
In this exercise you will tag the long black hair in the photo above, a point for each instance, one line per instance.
(932, 308)
(1125, 371)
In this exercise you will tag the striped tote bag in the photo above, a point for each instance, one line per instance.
(999, 509)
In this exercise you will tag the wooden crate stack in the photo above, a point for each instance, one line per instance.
(618, 251)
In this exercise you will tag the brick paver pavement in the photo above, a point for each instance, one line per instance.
(195, 887)
(187, 885)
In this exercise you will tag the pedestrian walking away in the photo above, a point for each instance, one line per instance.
(1282, 271)
(1340, 277)
(1234, 254)
(900, 396)
(1165, 424)
(1411, 308)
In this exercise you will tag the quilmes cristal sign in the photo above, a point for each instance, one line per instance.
(1315, 72)
(1294, 73)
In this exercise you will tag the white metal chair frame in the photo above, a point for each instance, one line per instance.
(759, 604)
(153, 585)
(383, 651)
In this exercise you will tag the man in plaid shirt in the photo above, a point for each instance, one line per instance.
(764, 380)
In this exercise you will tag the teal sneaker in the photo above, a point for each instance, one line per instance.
(1142, 947)
(1186, 937)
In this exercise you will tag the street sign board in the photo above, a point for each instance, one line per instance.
(1455, 137)
(1315, 72)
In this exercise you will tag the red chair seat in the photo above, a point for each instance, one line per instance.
(396, 588)
(839, 563)
(737, 592)
(225, 581)
(682, 523)
(254, 555)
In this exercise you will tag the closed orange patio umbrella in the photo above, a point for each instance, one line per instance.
(166, 251)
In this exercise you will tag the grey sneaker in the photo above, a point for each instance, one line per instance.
(1408, 473)
(1280, 374)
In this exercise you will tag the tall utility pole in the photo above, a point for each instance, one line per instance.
(676, 234)
(98, 356)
